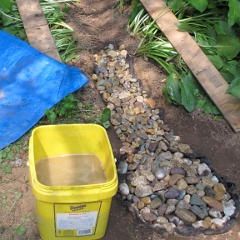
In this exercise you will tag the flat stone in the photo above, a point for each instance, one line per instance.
(122, 167)
(164, 146)
(209, 192)
(196, 200)
(192, 180)
(181, 184)
(172, 193)
(124, 189)
(200, 224)
(202, 168)
(177, 170)
(215, 213)
(160, 173)
(153, 146)
(143, 190)
(140, 205)
(183, 204)
(207, 222)
(172, 202)
(165, 155)
(174, 178)
(148, 175)
(186, 215)
(200, 212)
(156, 203)
(191, 189)
(178, 155)
(160, 186)
(229, 208)
(149, 217)
(139, 180)
(213, 203)
(187, 198)
(170, 209)
(200, 193)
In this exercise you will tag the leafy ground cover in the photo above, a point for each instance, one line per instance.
(215, 26)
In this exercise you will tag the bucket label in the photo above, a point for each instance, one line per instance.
(72, 220)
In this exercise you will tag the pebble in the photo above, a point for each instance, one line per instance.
(207, 182)
(139, 180)
(218, 222)
(122, 167)
(174, 178)
(199, 224)
(172, 193)
(181, 184)
(184, 148)
(213, 203)
(143, 190)
(170, 209)
(149, 217)
(220, 191)
(162, 220)
(202, 168)
(191, 189)
(124, 189)
(162, 209)
(187, 198)
(177, 170)
(18, 162)
(172, 202)
(183, 204)
(200, 212)
(165, 155)
(214, 179)
(229, 208)
(153, 146)
(156, 203)
(160, 186)
(160, 173)
(186, 215)
(209, 192)
(181, 195)
(192, 180)
(196, 200)
(215, 213)
(146, 200)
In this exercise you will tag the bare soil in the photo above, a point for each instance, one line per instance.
(96, 24)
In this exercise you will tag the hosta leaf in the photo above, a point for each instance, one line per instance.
(234, 12)
(173, 88)
(222, 28)
(216, 60)
(228, 46)
(200, 5)
(188, 97)
(234, 88)
(175, 5)
(5, 5)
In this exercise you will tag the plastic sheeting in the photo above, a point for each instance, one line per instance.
(30, 83)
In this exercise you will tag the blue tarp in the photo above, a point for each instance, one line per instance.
(30, 83)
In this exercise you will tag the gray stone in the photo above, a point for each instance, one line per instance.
(196, 200)
(177, 170)
(172, 202)
(200, 193)
(174, 219)
(177, 155)
(172, 193)
(191, 189)
(18, 162)
(165, 155)
(143, 190)
(162, 209)
(155, 203)
(124, 189)
(122, 167)
(162, 220)
(170, 209)
(214, 179)
(215, 213)
(219, 222)
(139, 180)
(200, 212)
(182, 193)
(202, 168)
(149, 217)
(132, 166)
(183, 204)
(192, 180)
(209, 192)
(229, 208)
(160, 186)
(153, 146)
(160, 173)
(135, 199)
(199, 224)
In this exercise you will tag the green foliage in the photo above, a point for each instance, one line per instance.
(6, 168)
(234, 88)
(20, 230)
(5, 5)
(200, 5)
(64, 109)
(104, 119)
(234, 12)
(173, 88)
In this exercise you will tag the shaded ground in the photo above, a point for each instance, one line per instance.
(96, 24)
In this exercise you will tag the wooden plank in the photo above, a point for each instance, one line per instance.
(36, 27)
(206, 73)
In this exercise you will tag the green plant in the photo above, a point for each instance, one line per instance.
(64, 109)
(20, 230)
(104, 119)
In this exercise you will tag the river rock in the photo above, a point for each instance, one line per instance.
(214, 179)
(181, 184)
(213, 203)
(146, 200)
(229, 208)
(209, 192)
(162, 220)
(149, 217)
(177, 170)
(156, 203)
(153, 146)
(160, 173)
(200, 224)
(172, 193)
(172, 202)
(139, 180)
(200, 212)
(143, 190)
(160, 186)
(215, 213)
(191, 189)
(192, 180)
(220, 191)
(186, 215)
(174, 178)
(181, 195)
(207, 182)
(124, 189)
(170, 209)
(218, 222)
(202, 168)
(162, 209)
(196, 200)
(140, 205)
(165, 155)
(184, 148)
(183, 204)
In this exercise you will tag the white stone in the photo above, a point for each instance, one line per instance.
(124, 189)
(229, 208)
(214, 179)
(203, 167)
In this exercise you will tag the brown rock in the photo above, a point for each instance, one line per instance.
(207, 222)
(146, 200)
(162, 209)
(150, 102)
(186, 215)
(191, 189)
(192, 180)
(220, 191)
(184, 148)
(181, 184)
(149, 217)
(130, 158)
(174, 178)
(213, 203)
(150, 131)
(160, 186)
(140, 205)
(207, 182)
(106, 96)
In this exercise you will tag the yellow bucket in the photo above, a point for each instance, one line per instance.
(72, 212)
